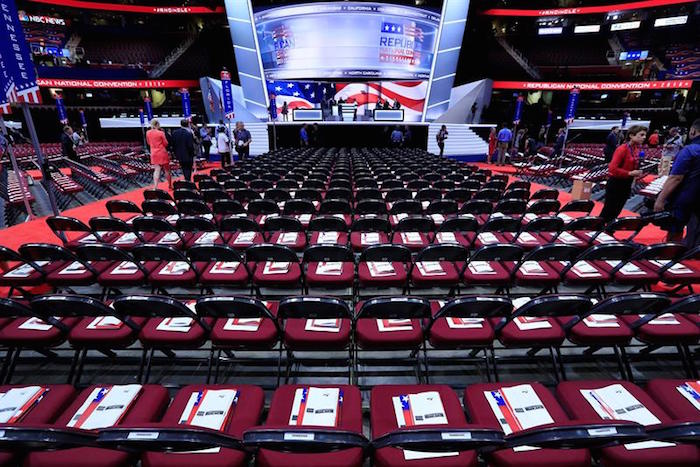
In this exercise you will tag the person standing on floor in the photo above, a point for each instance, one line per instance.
(611, 142)
(441, 136)
(304, 136)
(681, 190)
(205, 134)
(285, 111)
(622, 171)
(654, 139)
(473, 111)
(160, 159)
(184, 148)
(558, 148)
(242, 140)
(492, 144)
(504, 138)
(223, 147)
(68, 144)
(396, 137)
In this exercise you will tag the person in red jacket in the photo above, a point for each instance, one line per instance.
(622, 171)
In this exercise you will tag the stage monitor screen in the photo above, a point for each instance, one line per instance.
(346, 41)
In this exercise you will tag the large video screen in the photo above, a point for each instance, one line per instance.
(347, 41)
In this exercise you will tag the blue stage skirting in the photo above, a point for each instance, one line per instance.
(468, 157)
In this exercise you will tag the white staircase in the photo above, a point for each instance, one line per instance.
(259, 135)
(172, 57)
(461, 141)
(522, 60)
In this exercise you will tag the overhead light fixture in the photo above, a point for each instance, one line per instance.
(670, 21)
(587, 28)
(625, 25)
(549, 31)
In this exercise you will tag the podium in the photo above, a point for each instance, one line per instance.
(348, 112)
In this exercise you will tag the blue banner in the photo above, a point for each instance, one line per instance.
(518, 110)
(83, 121)
(227, 94)
(149, 108)
(550, 116)
(273, 107)
(625, 117)
(570, 114)
(18, 75)
(142, 118)
(61, 109)
(186, 109)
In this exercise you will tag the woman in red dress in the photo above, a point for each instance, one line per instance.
(492, 145)
(159, 153)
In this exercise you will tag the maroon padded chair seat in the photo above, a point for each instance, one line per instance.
(530, 274)
(43, 413)
(83, 336)
(481, 413)
(582, 274)
(350, 419)
(148, 407)
(565, 238)
(88, 238)
(397, 279)
(442, 336)
(298, 245)
(206, 238)
(12, 335)
(342, 238)
(73, 273)
(160, 276)
(666, 394)
(245, 414)
(635, 273)
(151, 336)
(369, 337)
(402, 238)
(290, 278)
(126, 240)
(358, 245)
(498, 275)
(296, 337)
(344, 279)
(216, 272)
(444, 238)
(120, 273)
(240, 240)
(569, 394)
(485, 238)
(526, 240)
(687, 271)
(583, 334)
(448, 276)
(685, 332)
(383, 421)
(512, 336)
(22, 275)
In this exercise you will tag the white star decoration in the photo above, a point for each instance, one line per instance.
(278, 88)
(290, 85)
(312, 95)
(307, 86)
(295, 94)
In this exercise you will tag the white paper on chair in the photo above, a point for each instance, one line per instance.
(125, 268)
(678, 268)
(25, 270)
(178, 324)
(602, 238)
(329, 268)
(224, 267)
(209, 408)
(316, 407)
(242, 324)
(105, 406)
(16, 402)
(174, 268)
(601, 321)
(89, 238)
(481, 267)
(390, 325)
(288, 238)
(105, 323)
(411, 238)
(304, 218)
(328, 237)
(584, 269)
(446, 237)
(664, 319)
(207, 238)
(465, 323)
(244, 238)
(323, 325)
(526, 238)
(276, 267)
(690, 390)
(518, 408)
(431, 268)
(380, 268)
(125, 238)
(529, 323)
(169, 238)
(369, 238)
(438, 218)
(35, 324)
(568, 238)
(398, 217)
(629, 269)
(74, 268)
(487, 238)
(420, 409)
(532, 268)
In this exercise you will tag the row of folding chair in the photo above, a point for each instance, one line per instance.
(578, 424)
(235, 325)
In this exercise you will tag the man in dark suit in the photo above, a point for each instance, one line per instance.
(182, 143)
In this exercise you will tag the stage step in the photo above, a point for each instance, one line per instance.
(261, 141)
(461, 141)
